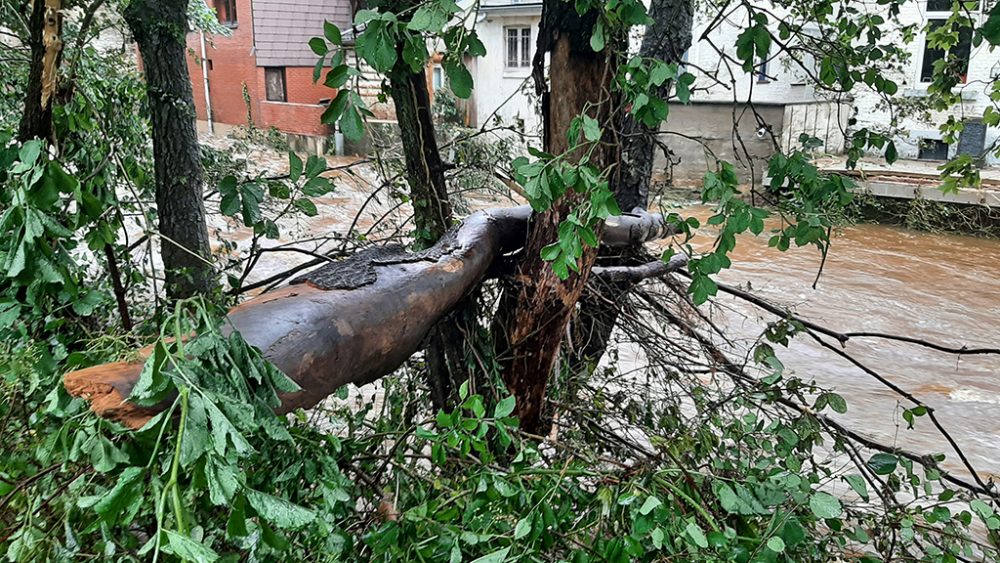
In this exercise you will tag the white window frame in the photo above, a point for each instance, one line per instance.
(522, 52)
(437, 78)
(928, 17)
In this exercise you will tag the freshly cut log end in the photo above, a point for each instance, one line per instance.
(107, 387)
(355, 320)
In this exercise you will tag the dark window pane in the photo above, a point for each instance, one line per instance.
(933, 149)
(511, 46)
(960, 52)
(227, 11)
(939, 5)
(525, 46)
(274, 84)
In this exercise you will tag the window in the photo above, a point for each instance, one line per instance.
(933, 149)
(762, 77)
(274, 84)
(938, 12)
(437, 78)
(226, 9)
(518, 47)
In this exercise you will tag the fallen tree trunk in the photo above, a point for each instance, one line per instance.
(356, 320)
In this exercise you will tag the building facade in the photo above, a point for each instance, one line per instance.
(743, 117)
(262, 74)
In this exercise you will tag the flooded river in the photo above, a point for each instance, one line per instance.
(941, 288)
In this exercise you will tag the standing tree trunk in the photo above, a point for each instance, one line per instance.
(666, 39)
(538, 305)
(432, 215)
(45, 41)
(159, 28)
(424, 167)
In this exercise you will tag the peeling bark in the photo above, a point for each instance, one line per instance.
(538, 306)
(45, 41)
(352, 321)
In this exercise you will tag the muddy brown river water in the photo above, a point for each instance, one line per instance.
(942, 288)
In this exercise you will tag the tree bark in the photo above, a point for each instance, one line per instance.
(432, 214)
(45, 42)
(355, 320)
(538, 305)
(666, 39)
(159, 28)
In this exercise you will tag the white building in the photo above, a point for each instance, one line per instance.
(504, 88)
(783, 101)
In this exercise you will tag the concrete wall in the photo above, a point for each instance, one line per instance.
(695, 132)
(826, 121)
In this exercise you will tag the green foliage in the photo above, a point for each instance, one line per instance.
(392, 39)
(549, 178)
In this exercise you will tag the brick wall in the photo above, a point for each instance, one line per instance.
(233, 64)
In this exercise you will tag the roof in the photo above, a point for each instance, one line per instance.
(283, 28)
(523, 7)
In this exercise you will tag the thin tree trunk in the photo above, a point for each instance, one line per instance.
(45, 41)
(159, 28)
(424, 168)
(432, 215)
(538, 305)
(666, 39)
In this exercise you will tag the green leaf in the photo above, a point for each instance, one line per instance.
(836, 402)
(890, 153)
(294, 167)
(306, 206)
(85, 306)
(125, 489)
(459, 79)
(591, 129)
(498, 556)
(318, 46)
(882, 464)
(188, 549)
(337, 76)
(351, 122)
(279, 511)
(657, 536)
(332, 33)
(504, 407)
(522, 528)
(776, 544)
(825, 505)
(597, 37)
(651, 503)
(336, 108)
(315, 166)
(696, 534)
(858, 484)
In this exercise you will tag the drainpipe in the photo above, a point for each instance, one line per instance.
(204, 74)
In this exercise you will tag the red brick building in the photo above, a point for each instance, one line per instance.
(265, 67)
